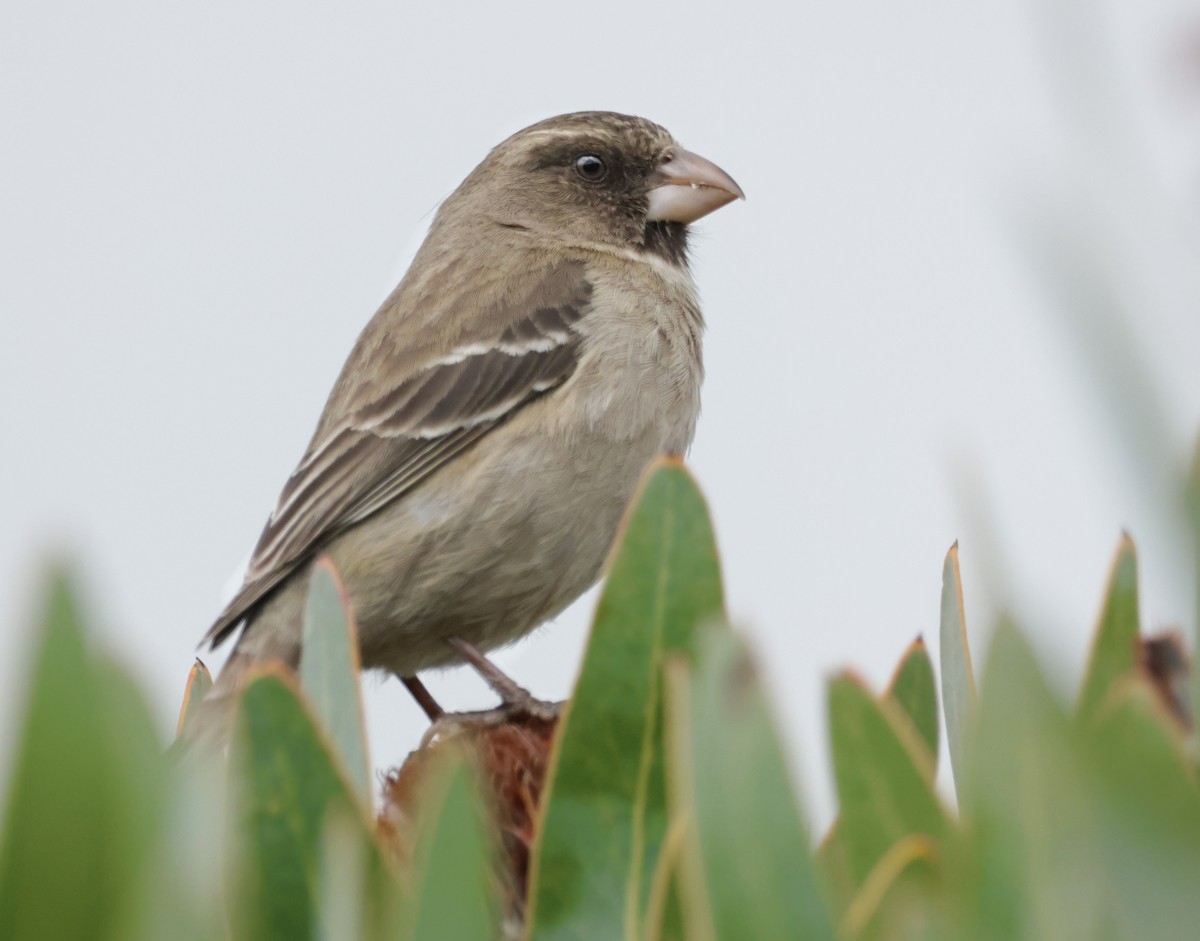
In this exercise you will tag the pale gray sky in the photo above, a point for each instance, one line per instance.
(202, 204)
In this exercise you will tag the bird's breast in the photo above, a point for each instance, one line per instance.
(641, 367)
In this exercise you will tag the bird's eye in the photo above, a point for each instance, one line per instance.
(591, 168)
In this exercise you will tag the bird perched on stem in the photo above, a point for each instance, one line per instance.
(471, 466)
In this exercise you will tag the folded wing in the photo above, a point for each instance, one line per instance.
(383, 448)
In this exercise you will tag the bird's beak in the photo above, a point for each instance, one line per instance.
(687, 187)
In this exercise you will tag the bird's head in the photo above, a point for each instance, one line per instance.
(595, 177)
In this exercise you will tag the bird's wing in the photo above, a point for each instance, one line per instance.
(378, 450)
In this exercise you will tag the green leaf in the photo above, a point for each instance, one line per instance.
(750, 874)
(135, 779)
(455, 892)
(834, 875)
(329, 673)
(664, 918)
(343, 884)
(1114, 648)
(605, 816)
(1034, 866)
(913, 689)
(199, 682)
(286, 780)
(876, 910)
(1148, 812)
(184, 900)
(85, 795)
(1193, 499)
(358, 894)
(884, 777)
(958, 679)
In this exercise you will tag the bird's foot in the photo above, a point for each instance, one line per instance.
(529, 715)
(516, 702)
(527, 706)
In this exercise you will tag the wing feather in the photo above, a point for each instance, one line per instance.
(386, 447)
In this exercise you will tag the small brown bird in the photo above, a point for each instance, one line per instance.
(471, 466)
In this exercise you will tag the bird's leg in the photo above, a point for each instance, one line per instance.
(423, 697)
(501, 683)
(518, 704)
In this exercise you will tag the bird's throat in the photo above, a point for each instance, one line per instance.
(667, 240)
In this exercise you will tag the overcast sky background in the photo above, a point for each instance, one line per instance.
(201, 204)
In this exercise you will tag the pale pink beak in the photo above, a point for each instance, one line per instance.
(687, 187)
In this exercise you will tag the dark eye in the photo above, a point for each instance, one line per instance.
(591, 168)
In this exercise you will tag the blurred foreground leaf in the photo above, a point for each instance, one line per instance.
(184, 901)
(358, 894)
(914, 689)
(958, 678)
(1034, 866)
(1148, 808)
(1193, 499)
(329, 673)
(455, 895)
(606, 815)
(199, 682)
(749, 873)
(1114, 646)
(884, 778)
(344, 879)
(887, 904)
(85, 798)
(1076, 830)
(833, 871)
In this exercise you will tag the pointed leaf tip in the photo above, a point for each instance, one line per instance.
(959, 695)
(913, 687)
(884, 778)
(329, 671)
(199, 682)
(1114, 652)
